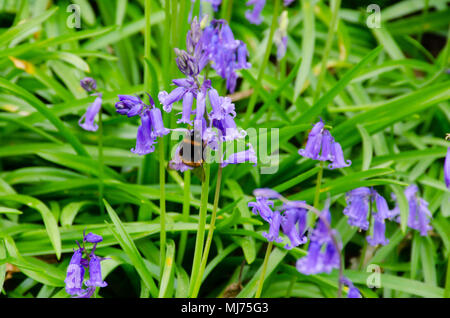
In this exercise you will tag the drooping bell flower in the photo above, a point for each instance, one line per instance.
(87, 121)
(221, 106)
(447, 168)
(312, 263)
(262, 206)
(338, 157)
(318, 261)
(75, 274)
(378, 236)
(145, 139)
(187, 109)
(95, 272)
(314, 142)
(293, 223)
(419, 214)
(129, 105)
(167, 99)
(287, 2)
(228, 129)
(242, 55)
(357, 208)
(322, 146)
(254, 16)
(248, 155)
(157, 123)
(274, 230)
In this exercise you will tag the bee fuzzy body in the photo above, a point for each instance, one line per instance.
(191, 150)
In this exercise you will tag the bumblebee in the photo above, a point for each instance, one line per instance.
(191, 152)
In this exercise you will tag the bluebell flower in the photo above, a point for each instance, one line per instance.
(78, 264)
(95, 272)
(88, 84)
(254, 16)
(318, 261)
(75, 274)
(357, 208)
(312, 263)
(275, 222)
(263, 207)
(152, 125)
(338, 157)
(87, 121)
(359, 202)
(293, 223)
(145, 139)
(225, 52)
(447, 168)
(419, 214)
(248, 155)
(353, 292)
(157, 123)
(287, 2)
(314, 142)
(221, 106)
(378, 236)
(92, 238)
(129, 105)
(322, 146)
(168, 99)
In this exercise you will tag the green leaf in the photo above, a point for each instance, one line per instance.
(130, 249)
(42, 108)
(51, 225)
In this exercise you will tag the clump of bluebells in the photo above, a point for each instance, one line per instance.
(152, 125)
(362, 201)
(322, 146)
(360, 204)
(291, 220)
(81, 262)
(214, 44)
(87, 121)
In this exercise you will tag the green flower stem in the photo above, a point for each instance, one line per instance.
(186, 208)
(210, 234)
(162, 206)
(331, 30)
(318, 185)
(201, 230)
(264, 269)
(100, 162)
(253, 99)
